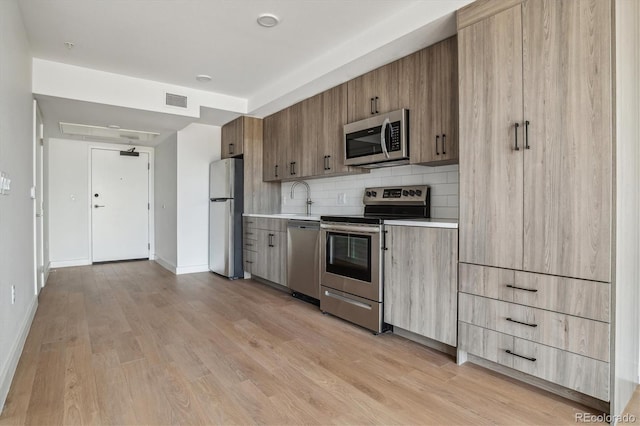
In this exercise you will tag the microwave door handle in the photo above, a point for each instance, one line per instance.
(383, 141)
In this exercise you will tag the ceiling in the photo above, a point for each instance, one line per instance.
(171, 41)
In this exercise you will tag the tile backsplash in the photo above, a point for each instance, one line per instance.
(326, 192)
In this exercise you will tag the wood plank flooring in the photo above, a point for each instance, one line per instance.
(131, 343)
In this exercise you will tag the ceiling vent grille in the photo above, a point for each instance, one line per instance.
(176, 100)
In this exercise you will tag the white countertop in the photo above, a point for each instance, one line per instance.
(315, 218)
(426, 223)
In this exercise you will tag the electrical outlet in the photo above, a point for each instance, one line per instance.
(13, 294)
(342, 199)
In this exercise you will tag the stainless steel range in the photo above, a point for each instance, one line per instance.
(352, 253)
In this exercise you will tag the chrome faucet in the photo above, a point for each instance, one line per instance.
(309, 202)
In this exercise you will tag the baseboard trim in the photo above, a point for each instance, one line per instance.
(191, 269)
(6, 377)
(166, 265)
(69, 263)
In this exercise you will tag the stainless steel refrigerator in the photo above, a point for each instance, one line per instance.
(225, 217)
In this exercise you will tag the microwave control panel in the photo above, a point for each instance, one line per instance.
(394, 137)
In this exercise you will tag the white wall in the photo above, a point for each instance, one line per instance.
(627, 267)
(68, 176)
(166, 203)
(198, 146)
(443, 181)
(17, 208)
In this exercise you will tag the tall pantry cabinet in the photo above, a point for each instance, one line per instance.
(538, 196)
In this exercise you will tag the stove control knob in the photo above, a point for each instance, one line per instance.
(368, 193)
(412, 192)
(405, 192)
(374, 193)
(419, 192)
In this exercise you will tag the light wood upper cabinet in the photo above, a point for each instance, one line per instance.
(429, 89)
(374, 93)
(277, 130)
(330, 155)
(568, 168)
(491, 169)
(421, 281)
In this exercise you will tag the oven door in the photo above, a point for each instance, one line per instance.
(350, 257)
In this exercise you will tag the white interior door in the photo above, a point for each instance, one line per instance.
(119, 206)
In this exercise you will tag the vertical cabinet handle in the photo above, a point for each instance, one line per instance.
(271, 240)
(371, 106)
(437, 140)
(526, 135)
(276, 170)
(328, 162)
(376, 104)
(230, 149)
(384, 241)
(444, 140)
(517, 125)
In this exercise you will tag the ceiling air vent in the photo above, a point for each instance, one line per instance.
(176, 100)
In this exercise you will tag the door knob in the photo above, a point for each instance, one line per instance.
(96, 206)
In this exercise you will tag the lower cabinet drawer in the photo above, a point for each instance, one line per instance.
(583, 374)
(249, 260)
(579, 335)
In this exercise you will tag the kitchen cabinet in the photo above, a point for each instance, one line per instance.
(429, 89)
(374, 93)
(536, 194)
(265, 248)
(259, 196)
(306, 139)
(535, 122)
(421, 281)
(232, 138)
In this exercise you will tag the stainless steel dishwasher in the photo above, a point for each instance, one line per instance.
(303, 259)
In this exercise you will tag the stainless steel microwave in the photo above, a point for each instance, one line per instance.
(378, 141)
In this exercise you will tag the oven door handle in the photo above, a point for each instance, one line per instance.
(383, 139)
(351, 229)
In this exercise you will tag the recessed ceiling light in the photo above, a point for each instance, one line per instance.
(268, 20)
(203, 78)
(69, 45)
(113, 126)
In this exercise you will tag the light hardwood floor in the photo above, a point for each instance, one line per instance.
(131, 343)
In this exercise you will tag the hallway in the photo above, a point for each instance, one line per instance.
(131, 343)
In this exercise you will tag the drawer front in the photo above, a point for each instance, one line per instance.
(580, 373)
(587, 375)
(587, 299)
(249, 260)
(579, 335)
(267, 223)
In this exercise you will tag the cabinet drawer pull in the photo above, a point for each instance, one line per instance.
(248, 261)
(532, 290)
(517, 125)
(523, 323)
(526, 135)
(437, 139)
(250, 221)
(251, 233)
(520, 356)
(247, 244)
(444, 140)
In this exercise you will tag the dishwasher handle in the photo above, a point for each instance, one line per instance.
(304, 225)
